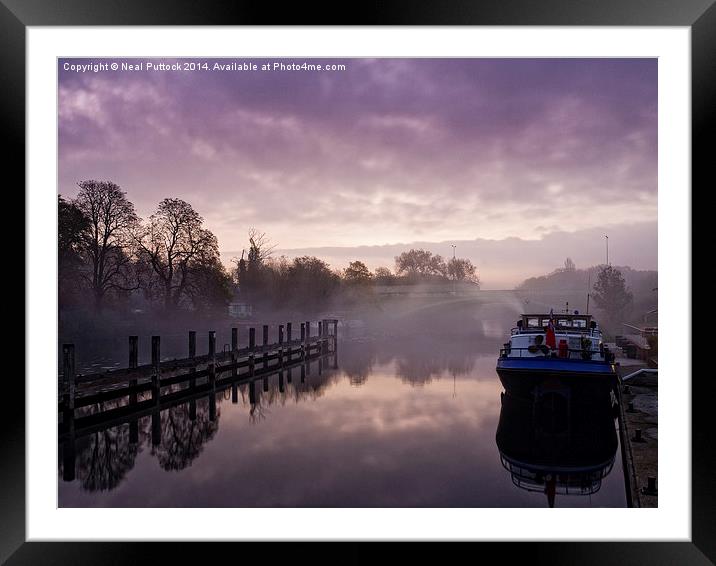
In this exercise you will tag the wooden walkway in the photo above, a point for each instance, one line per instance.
(143, 389)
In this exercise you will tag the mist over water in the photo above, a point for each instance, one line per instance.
(406, 416)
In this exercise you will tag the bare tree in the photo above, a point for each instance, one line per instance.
(175, 244)
(462, 270)
(260, 246)
(109, 249)
(420, 262)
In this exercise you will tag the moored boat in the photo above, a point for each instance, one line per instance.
(566, 346)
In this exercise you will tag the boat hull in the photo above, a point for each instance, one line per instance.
(521, 376)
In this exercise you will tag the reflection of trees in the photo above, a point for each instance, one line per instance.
(418, 360)
(104, 458)
(183, 439)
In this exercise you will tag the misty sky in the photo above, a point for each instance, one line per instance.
(388, 151)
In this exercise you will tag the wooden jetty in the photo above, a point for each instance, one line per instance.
(119, 396)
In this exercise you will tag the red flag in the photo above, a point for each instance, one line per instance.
(550, 339)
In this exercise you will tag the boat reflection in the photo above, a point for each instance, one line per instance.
(558, 441)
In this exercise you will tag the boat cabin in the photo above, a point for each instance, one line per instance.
(564, 322)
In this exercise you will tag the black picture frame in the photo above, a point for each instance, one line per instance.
(699, 15)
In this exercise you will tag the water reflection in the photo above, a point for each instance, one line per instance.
(405, 423)
(559, 441)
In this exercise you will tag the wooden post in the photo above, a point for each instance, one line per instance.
(280, 382)
(252, 392)
(303, 332)
(289, 376)
(320, 340)
(320, 366)
(68, 375)
(155, 369)
(335, 336)
(133, 363)
(234, 349)
(266, 384)
(192, 355)
(265, 343)
(212, 346)
(192, 343)
(156, 428)
(133, 351)
(192, 410)
(303, 373)
(280, 345)
(68, 458)
(234, 393)
(251, 364)
(252, 339)
(212, 406)
(288, 339)
(134, 431)
(212, 357)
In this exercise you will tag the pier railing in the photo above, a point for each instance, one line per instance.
(158, 377)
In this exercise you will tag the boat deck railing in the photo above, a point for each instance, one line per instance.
(545, 352)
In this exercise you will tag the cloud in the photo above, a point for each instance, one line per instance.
(388, 150)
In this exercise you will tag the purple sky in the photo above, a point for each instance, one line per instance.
(387, 151)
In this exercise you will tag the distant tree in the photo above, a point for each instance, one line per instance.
(178, 248)
(72, 237)
(420, 262)
(109, 249)
(569, 265)
(260, 246)
(210, 287)
(250, 273)
(383, 276)
(357, 273)
(311, 280)
(462, 270)
(611, 294)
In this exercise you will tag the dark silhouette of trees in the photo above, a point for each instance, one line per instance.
(109, 246)
(569, 265)
(180, 252)
(383, 276)
(104, 458)
(420, 262)
(311, 280)
(72, 237)
(183, 438)
(611, 294)
(251, 273)
(462, 270)
(357, 274)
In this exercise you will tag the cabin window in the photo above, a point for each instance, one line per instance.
(545, 322)
(563, 322)
(579, 323)
(533, 322)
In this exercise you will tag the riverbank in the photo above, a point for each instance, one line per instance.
(638, 423)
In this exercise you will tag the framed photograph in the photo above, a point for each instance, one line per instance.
(358, 282)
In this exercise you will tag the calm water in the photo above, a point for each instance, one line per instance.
(386, 427)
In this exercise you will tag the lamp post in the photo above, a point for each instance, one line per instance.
(454, 291)
(607, 240)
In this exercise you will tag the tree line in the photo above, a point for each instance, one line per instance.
(619, 292)
(109, 257)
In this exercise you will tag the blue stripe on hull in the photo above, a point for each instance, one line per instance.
(554, 365)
